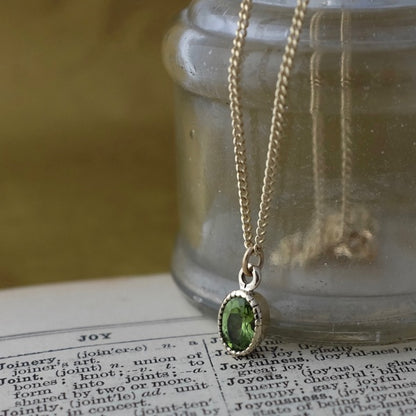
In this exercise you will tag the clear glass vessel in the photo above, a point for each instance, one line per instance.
(340, 251)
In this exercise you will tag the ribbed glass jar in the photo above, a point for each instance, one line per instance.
(340, 253)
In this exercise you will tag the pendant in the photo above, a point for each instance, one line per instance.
(243, 317)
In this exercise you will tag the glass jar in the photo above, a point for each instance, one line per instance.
(340, 251)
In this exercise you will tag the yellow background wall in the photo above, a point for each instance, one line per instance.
(87, 184)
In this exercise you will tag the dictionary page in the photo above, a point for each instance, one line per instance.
(135, 346)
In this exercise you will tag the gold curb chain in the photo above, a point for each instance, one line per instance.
(254, 244)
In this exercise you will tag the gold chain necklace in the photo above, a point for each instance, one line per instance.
(244, 314)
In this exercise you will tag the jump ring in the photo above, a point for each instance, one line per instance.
(247, 265)
(255, 279)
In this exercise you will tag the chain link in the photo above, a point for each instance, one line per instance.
(234, 75)
(254, 244)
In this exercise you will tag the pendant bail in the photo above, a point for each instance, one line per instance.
(247, 265)
(253, 283)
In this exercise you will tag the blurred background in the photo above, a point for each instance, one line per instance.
(87, 183)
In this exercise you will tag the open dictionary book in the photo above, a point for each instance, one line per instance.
(135, 346)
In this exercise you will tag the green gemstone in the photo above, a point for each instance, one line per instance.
(237, 324)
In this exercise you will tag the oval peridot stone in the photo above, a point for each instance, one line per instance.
(237, 325)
